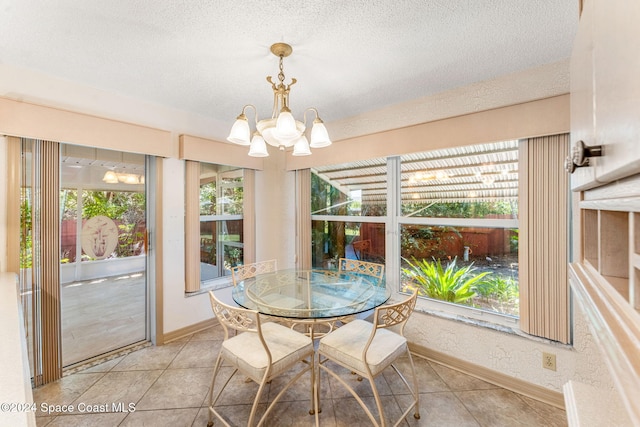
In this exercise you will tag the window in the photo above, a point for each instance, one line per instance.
(459, 226)
(221, 222)
(452, 217)
(348, 212)
(214, 222)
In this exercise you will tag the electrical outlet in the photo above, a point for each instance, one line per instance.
(549, 361)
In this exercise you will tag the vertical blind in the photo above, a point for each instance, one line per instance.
(40, 255)
(544, 238)
(192, 226)
(303, 218)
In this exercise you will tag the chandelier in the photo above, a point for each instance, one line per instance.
(282, 130)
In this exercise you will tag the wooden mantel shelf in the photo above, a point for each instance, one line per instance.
(616, 328)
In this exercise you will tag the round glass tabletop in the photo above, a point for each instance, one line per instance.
(311, 294)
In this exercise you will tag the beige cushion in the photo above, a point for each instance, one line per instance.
(247, 353)
(345, 346)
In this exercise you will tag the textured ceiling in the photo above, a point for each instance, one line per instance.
(211, 57)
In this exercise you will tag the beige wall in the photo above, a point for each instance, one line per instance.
(517, 357)
(3, 212)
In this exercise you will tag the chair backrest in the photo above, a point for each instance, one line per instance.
(372, 269)
(241, 272)
(361, 247)
(395, 314)
(237, 318)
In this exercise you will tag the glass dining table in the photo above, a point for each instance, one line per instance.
(311, 297)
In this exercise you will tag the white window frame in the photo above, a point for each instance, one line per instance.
(393, 221)
(222, 280)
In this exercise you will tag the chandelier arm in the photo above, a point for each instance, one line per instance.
(255, 112)
(275, 110)
(304, 115)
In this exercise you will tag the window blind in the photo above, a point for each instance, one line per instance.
(544, 238)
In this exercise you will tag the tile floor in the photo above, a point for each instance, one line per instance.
(168, 386)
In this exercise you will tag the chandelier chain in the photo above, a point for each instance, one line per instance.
(281, 73)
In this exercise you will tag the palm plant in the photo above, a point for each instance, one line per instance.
(450, 283)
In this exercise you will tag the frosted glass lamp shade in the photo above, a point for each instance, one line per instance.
(258, 146)
(301, 147)
(240, 132)
(286, 126)
(319, 135)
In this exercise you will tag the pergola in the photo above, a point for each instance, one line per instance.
(479, 173)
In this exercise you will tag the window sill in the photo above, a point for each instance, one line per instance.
(498, 327)
(211, 285)
(478, 318)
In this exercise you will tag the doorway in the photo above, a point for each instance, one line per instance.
(83, 253)
(103, 251)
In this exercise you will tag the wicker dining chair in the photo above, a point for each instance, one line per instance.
(372, 269)
(367, 349)
(241, 272)
(261, 352)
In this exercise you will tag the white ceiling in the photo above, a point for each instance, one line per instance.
(211, 57)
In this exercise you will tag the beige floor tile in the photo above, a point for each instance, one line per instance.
(349, 413)
(196, 354)
(87, 420)
(296, 414)
(327, 415)
(214, 333)
(239, 391)
(500, 408)
(201, 417)
(119, 387)
(440, 409)
(428, 379)
(162, 418)
(555, 416)
(300, 390)
(458, 381)
(64, 391)
(178, 388)
(362, 388)
(43, 421)
(236, 415)
(150, 358)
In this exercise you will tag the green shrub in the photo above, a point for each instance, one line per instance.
(499, 287)
(452, 284)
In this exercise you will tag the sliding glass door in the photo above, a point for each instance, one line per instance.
(102, 251)
(83, 253)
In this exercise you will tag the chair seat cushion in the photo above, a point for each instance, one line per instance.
(345, 346)
(245, 351)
